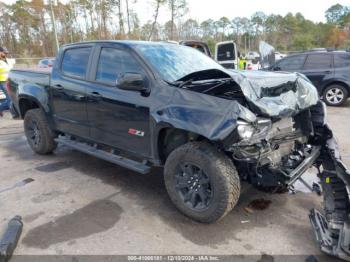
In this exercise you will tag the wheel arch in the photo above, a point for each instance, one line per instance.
(169, 138)
(336, 82)
(26, 103)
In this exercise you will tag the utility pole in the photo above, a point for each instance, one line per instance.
(54, 26)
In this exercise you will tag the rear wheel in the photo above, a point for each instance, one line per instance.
(39, 135)
(335, 95)
(202, 182)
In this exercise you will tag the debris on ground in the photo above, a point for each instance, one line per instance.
(248, 210)
(10, 238)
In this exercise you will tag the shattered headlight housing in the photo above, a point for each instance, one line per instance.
(245, 130)
(253, 131)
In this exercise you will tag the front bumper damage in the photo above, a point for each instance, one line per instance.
(332, 226)
(274, 168)
(338, 246)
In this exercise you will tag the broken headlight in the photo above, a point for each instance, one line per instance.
(245, 130)
(254, 131)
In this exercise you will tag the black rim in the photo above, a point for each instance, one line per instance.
(193, 186)
(33, 133)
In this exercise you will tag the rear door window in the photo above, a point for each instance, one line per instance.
(341, 60)
(226, 52)
(292, 63)
(113, 63)
(75, 62)
(318, 61)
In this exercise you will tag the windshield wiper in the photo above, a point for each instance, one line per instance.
(185, 83)
(179, 84)
(216, 86)
(171, 83)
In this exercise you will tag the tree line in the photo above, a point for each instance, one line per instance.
(27, 29)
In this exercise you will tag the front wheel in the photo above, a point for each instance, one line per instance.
(40, 137)
(202, 182)
(335, 95)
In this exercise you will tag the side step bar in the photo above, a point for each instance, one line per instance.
(110, 157)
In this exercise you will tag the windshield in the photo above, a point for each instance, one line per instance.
(173, 62)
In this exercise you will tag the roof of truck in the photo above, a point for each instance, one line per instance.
(122, 42)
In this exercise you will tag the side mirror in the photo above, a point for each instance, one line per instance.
(276, 68)
(132, 82)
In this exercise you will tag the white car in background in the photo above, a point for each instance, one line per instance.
(253, 55)
(226, 54)
(253, 65)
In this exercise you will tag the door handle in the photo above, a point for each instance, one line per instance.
(96, 94)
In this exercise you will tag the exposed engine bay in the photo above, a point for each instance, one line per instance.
(276, 154)
(288, 136)
(280, 156)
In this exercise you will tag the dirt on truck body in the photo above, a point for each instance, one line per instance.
(141, 104)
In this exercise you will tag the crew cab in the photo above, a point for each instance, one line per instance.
(144, 104)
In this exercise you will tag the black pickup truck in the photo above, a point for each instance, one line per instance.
(143, 104)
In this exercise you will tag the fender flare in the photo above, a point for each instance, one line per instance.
(336, 81)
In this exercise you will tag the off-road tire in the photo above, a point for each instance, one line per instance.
(223, 176)
(335, 88)
(46, 143)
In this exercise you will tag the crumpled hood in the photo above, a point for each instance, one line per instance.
(276, 94)
(269, 94)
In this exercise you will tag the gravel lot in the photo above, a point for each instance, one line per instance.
(78, 204)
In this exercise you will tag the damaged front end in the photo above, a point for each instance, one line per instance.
(273, 127)
(274, 154)
(289, 136)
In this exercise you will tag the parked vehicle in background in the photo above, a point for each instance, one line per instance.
(253, 65)
(226, 54)
(253, 55)
(198, 45)
(46, 63)
(328, 71)
(279, 56)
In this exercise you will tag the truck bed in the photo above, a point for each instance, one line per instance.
(37, 76)
(27, 82)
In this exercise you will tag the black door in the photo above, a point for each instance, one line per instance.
(68, 91)
(118, 118)
(317, 67)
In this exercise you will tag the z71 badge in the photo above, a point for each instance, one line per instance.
(136, 132)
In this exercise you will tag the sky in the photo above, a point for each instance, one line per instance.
(203, 9)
